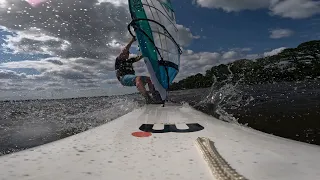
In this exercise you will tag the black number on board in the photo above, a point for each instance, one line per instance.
(193, 127)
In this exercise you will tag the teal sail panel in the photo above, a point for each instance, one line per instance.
(154, 25)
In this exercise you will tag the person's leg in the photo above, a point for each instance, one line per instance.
(132, 80)
(150, 85)
(128, 80)
(141, 86)
(155, 94)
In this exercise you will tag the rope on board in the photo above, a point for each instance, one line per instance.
(218, 166)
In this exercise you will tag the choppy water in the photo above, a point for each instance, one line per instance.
(289, 110)
(25, 124)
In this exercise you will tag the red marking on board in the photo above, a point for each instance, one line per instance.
(141, 134)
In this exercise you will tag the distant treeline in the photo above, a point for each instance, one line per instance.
(292, 64)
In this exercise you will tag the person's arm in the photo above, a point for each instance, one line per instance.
(138, 58)
(126, 49)
(135, 59)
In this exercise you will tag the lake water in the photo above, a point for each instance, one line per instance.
(290, 110)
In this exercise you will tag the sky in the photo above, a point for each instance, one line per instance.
(67, 48)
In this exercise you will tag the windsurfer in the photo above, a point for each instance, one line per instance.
(126, 74)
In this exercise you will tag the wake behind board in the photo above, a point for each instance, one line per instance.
(170, 142)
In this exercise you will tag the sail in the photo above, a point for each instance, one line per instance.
(155, 28)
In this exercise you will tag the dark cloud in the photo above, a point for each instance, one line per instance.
(87, 81)
(88, 62)
(13, 89)
(111, 81)
(53, 84)
(89, 85)
(39, 88)
(68, 74)
(60, 90)
(8, 74)
(85, 25)
(8, 86)
(53, 61)
(83, 36)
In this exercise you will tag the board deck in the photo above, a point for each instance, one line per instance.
(111, 151)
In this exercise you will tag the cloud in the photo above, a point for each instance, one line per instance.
(34, 41)
(280, 33)
(111, 81)
(8, 74)
(55, 61)
(57, 71)
(295, 9)
(54, 84)
(274, 51)
(252, 56)
(192, 62)
(241, 49)
(3, 4)
(232, 5)
(198, 62)
(71, 43)
(229, 55)
(89, 85)
(12, 87)
(115, 2)
(66, 28)
(185, 36)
